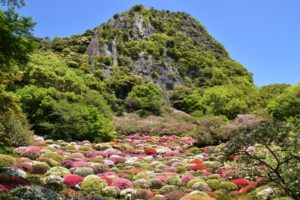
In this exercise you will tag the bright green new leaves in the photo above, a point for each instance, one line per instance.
(15, 43)
(270, 92)
(147, 97)
(60, 102)
(227, 100)
(224, 100)
(288, 104)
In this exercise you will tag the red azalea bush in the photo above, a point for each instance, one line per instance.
(247, 188)
(72, 180)
(240, 182)
(150, 151)
(198, 165)
(108, 180)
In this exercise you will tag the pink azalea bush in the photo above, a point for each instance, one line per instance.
(122, 183)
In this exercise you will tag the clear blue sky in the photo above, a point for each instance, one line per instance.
(263, 35)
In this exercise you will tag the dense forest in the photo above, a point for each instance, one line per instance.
(77, 114)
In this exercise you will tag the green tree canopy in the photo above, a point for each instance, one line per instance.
(286, 105)
(147, 97)
(15, 42)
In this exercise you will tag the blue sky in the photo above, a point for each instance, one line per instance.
(263, 35)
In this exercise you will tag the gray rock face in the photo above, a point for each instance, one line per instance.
(93, 50)
(163, 74)
(138, 26)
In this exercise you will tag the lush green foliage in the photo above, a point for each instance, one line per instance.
(147, 97)
(15, 46)
(286, 105)
(61, 104)
(226, 100)
(14, 39)
(14, 129)
(270, 92)
(7, 161)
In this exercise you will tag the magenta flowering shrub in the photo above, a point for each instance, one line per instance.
(117, 159)
(80, 164)
(67, 163)
(26, 166)
(186, 178)
(122, 183)
(161, 178)
(32, 152)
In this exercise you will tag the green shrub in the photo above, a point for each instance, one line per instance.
(193, 181)
(84, 171)
(229, 186)
(52, 155)
(111, 191)
(70, 147)
(214, 184)
(85, 148)
(35, 192)
(58, 171)
(39, 168)
(50, 162)
(167, 189)
(14, 129)
(174, 180)
(92, 186)
(7, 161)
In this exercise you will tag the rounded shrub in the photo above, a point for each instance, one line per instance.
(214, 184)
(35, 192)
(92, 185)
(174, 180)
(84, 171)
(229, 186)
(201, 186)
(7, 161)
(111, 191)
(167, 189)
(54, 182)
(50, 162)
(72, 180)
(58, 171)
(39, 168)
(53, 155)
(142, 183)
(193, 181)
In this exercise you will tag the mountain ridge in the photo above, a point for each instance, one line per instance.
(166, 48)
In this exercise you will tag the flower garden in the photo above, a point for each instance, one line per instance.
(132, 167)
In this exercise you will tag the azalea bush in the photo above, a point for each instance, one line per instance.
(269, 151)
